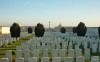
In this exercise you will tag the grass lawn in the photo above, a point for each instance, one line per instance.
(12, 47)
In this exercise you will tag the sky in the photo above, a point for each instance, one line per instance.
(66, 12)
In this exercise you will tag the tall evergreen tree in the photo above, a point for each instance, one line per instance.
(99, 31)
(81, 29)
(15, 30)
(39, 30)
(74, 29)
(30, 30)
(63, 30)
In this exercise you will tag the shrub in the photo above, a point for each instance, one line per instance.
(63, 30)
(39, 30)
(74, 30)
(30, 30)
(81, 29)
(15, 30)
(99, 31)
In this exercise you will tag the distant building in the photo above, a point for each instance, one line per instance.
(57, 28)
(4, 30)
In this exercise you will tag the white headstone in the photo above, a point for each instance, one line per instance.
(70, 43)
(91, 44)
(9, 55)
(95, 58)
(56, 59)
(58, 46)
(62, 54)
(68, 59)
(43, 45)
(36, 53)
(64, 47)
(32, 59)
(24, 47)
(26, 55)
(85, 45)
(19, 59)
(1, 43)
(45, 59)
(76, 47)
(82, 59)
(87, 54)
(99, 48)
(79, 52)
(18, 47)
(18, 53)
(55, 53)
(70, 46)
(38, 44)
(4, 60)
(40, 50)
(45, 53)
(94, 48)
(71, 53)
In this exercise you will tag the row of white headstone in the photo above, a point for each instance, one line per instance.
(36, 44)
(54, 59)
(6, 38)
(58, 59)
(55, 53)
